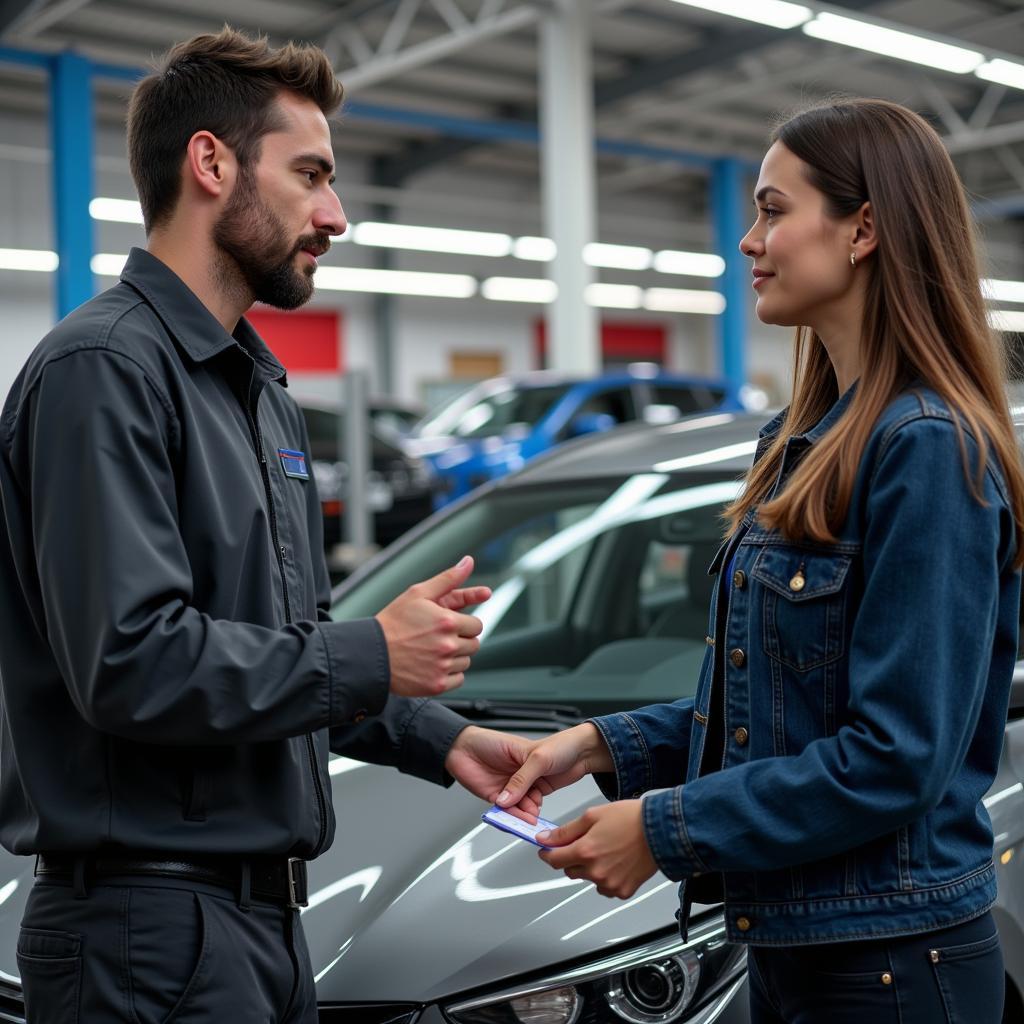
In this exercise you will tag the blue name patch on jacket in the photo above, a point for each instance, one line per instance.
(294, 463)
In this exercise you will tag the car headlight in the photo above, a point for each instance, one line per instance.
(657, 983)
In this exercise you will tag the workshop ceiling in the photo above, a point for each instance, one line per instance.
(667, 76)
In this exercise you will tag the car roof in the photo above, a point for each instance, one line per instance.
(636, 449)
(549, 378)
(720, 441)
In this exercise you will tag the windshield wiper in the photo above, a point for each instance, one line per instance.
(519, 711)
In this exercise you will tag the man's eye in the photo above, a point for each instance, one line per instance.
(309, 175)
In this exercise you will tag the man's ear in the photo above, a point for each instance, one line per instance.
(210, 164)
(864, 240)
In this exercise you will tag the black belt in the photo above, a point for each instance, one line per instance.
(280, 880)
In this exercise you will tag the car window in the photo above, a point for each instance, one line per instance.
(688, 399)
(494, 414)
(616, 402)
(600, 588)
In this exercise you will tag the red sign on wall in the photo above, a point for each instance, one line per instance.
(620, 342)
(305, 341)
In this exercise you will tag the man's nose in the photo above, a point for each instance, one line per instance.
(329, 216)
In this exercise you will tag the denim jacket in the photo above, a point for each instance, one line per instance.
(863, 686)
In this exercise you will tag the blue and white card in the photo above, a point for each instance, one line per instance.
(500, 818)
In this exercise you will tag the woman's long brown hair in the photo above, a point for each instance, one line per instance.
(924, 317)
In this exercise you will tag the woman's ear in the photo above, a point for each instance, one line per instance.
(864, 239)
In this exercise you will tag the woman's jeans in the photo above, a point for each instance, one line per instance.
(952, 976)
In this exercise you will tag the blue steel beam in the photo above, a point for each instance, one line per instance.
(71, 133)
(729, 202)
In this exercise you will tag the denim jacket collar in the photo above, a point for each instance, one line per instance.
(815, 433)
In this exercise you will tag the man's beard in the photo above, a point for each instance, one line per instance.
(256, 242)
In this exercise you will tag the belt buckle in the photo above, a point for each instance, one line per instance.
(297, 887)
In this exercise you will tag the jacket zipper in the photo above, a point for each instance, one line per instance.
(254, 424)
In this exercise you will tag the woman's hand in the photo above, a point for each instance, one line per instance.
(605, 845)
(557, 761)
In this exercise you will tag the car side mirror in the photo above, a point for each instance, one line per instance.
(590, 423)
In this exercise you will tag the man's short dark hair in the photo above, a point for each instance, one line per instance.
(224, 83)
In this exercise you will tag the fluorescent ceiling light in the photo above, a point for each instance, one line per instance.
(776, 13)
(40, 260)
(614, 296)
(619, 257)
(1005, 72)
(519, 289)
(683, 300)
(529, 247)
(1003, 291)
(908, 46)
(1011, 320)
(108, 264)
(694, 264)
(395, 282)
(122, 211)
(408, 236)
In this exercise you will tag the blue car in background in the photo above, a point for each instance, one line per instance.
(500, 424)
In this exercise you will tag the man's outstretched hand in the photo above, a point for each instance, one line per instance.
(482, 759)
(430, 641)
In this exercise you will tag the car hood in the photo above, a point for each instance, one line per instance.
(419, 900)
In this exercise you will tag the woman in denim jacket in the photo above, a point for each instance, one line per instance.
(863, 631)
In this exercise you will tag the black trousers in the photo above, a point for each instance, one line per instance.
(161, 951)
(951, 976)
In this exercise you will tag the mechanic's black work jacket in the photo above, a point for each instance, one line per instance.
(170, 677)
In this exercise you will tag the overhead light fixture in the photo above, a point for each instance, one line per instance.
(890, 42)
(1010, 321)
(684, 300)
(776, 13)
(408, 236)
(39, 260)
(1004, 72)
(692, 264)
(519, 289)
(108, 264)
(121, 211)
(617, 257)
(614, 296)
(395, 282)
(1002, 291)
(530, 247)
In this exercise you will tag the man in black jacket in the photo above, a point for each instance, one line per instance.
(171, 679)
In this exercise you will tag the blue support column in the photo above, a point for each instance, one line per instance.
(71, 132)
(729, 201)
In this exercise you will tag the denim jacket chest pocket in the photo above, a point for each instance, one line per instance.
(804, 605)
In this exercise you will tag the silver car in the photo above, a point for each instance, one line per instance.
(421, 913)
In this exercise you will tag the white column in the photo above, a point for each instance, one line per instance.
(567, 171)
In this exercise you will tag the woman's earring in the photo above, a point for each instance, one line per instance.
(853, 259)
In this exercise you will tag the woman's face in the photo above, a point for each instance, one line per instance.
(802, 271)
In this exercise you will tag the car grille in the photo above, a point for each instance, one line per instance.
(369, 1013)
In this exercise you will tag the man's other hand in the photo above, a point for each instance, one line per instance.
(430, 641)
(482, 759)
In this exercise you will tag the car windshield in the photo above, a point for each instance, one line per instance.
(491, 415)
(601, 590)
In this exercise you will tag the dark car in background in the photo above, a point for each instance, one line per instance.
(400, 487)
(500, 424)
(420, 913)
